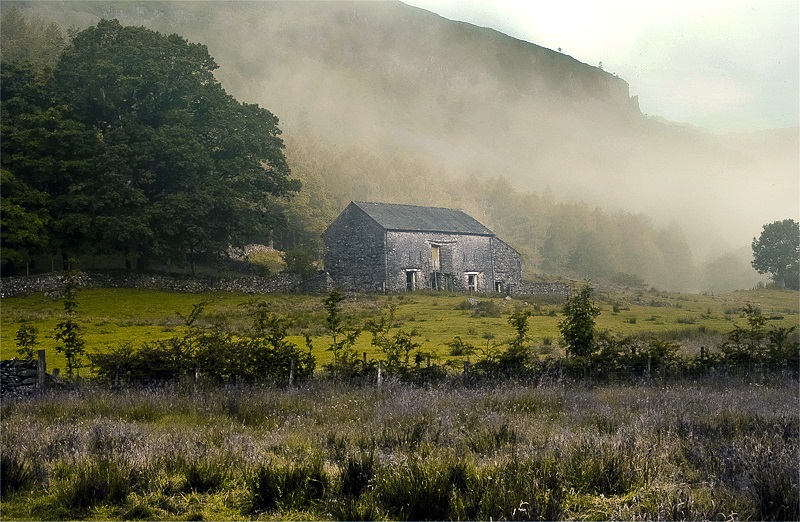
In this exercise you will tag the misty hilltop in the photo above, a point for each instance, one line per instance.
(468, 103)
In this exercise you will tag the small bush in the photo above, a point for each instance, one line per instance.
(459, 347)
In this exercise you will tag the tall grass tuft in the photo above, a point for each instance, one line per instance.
(431, 489)
(204, 476)
(357, 474)
(15, 473)
(289, 486)
(92, 483)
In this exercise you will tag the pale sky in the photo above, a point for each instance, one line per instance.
(725, 65)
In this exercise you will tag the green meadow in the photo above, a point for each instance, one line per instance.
(111, 318)
(716, 447)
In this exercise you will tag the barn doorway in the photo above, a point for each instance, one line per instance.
(411, 280)
(435, 261)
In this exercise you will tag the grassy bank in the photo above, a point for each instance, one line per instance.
(702, 450)
(112, 317)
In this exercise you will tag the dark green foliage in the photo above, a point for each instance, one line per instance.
(154, 362)
(777, 251)
(264, 356)
(131, 146)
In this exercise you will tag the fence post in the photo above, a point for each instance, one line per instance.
(466, 372)
(428, 362)
(291, 371)
(41, 370)
(380, 372)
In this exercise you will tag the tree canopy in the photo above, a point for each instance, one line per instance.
(132, 146)
(777, 251)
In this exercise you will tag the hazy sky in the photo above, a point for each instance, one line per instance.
(726, 65)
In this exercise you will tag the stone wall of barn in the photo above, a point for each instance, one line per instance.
(507, 265)
(459, 255)
(354, 252)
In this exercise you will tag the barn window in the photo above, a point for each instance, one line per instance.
(499, 287)
(472, 281)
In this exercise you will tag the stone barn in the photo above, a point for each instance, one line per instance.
(382, 247)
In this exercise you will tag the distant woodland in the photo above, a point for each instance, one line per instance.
(90, 187)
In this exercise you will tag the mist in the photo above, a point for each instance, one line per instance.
(463, 102)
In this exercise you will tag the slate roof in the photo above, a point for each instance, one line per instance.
(413, 218)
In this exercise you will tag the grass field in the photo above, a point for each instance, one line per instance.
(714, 449)
(112, 317)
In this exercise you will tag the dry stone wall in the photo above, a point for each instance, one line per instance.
(280, 283)
(556, 289)
(21, 377)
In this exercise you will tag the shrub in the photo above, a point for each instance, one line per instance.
(300, 261)
(26, 340)
(459, 347)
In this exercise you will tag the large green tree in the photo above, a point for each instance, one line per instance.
(132, 146)
(777, 252)
(185, 167)
(47, 156)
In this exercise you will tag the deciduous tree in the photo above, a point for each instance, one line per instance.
(777, 251)
(577, 326)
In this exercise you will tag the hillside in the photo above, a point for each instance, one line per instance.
(422, 106)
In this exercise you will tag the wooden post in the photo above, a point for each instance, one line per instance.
(292, 365)
(466, 372)
(380, 373)
(428, 362)
(41, 370)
